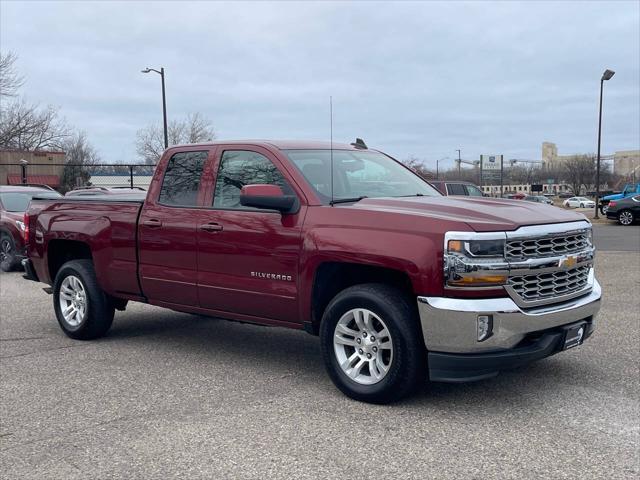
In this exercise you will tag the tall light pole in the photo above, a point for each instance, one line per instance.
(459, 163)
(605, 76)
(164, 102)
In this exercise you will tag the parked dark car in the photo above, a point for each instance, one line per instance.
(88, 191)
(448, 188)
(14, 201)
(626, 211)
(539, 199)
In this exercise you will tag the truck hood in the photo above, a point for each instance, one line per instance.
(480, 214)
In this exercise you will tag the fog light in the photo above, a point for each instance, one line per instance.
(485, 327)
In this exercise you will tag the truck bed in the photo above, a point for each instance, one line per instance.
(106, 223)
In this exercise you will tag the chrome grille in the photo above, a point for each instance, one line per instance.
(547, 246)
(551, 284)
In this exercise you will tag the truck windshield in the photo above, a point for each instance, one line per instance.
(358, 174)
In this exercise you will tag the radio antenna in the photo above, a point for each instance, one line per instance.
(331, 143)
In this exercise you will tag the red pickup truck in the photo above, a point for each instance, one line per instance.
(400, 283)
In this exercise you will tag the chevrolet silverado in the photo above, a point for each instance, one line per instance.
(400, 283)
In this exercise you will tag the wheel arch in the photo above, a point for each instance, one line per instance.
(60, 251)
(330, 278)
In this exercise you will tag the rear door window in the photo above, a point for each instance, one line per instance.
(182, 179)
(473, 191)
(456, 189)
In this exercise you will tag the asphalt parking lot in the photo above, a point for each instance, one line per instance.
(169, 394)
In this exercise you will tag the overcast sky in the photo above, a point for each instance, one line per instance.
(420, 79)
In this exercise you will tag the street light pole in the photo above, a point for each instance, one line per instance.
(605, 76)
(164, 102)
(459, 163)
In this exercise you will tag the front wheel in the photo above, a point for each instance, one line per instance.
(83, 310)
(582, 205)
(625, 217)
(8, 258)
(372, 344)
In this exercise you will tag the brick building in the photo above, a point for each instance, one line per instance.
(42, 167)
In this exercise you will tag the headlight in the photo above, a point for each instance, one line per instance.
(478, 248)
(475, 262)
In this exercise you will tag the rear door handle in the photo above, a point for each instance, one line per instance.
(211, 227)
(152, 223)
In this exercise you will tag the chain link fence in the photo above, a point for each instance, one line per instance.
(69, 176)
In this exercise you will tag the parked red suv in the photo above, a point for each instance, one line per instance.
(14, 201)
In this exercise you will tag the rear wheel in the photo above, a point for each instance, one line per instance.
(8, 258)
(372, 343)
(83, 310)
(625, 217)
(604, 208)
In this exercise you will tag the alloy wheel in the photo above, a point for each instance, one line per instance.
(625, 218)
(5, 250)
(73, 301)
(363, 346)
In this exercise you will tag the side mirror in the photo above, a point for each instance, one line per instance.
(269, 197)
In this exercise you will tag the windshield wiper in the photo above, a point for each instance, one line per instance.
(412, 195)
(347, 200)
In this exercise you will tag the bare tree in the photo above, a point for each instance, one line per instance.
(79, 155)
(419, 167)
(26, 126)
(193, 129)
(524, 174)
(580, 171)
(10, 79)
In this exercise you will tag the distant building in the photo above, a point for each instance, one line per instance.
(552, 188)
(43, 167)
(625, 163)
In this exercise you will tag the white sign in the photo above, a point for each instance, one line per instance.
(491, 162)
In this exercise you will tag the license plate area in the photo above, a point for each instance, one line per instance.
(574, 335)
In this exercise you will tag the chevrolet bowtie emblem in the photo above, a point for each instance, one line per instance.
(568, 262)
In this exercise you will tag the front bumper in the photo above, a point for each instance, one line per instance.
(457, 368)
(449, 327)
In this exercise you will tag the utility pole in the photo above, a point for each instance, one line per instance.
(605, 76)
(164, 102)
(459, 163)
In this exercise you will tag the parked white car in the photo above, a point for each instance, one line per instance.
(579, 202)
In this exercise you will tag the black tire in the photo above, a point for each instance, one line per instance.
(604, 208)
(626, 217)
(99, 310)
(8, 258)
(408, 367)
(582, 205)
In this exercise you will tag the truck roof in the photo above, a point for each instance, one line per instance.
(282, 144)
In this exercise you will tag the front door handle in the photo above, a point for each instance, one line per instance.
(152, 223)
(211, 227)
